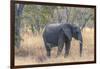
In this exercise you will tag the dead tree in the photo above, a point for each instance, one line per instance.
(86, 20)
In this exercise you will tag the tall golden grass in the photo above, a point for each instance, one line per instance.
(32, 50)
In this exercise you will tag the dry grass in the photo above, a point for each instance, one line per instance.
(32, 50)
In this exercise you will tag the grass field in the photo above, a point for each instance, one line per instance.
(32, 50)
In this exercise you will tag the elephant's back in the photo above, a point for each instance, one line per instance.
(51, 28)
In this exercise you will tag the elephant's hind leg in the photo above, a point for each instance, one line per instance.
(48, 49)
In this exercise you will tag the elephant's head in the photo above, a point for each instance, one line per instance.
(76, 33)
(73, 31)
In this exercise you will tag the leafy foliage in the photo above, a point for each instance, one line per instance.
(35, 17)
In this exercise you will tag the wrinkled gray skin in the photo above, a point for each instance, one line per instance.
(56, 35)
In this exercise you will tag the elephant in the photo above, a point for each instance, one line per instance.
(58, 34)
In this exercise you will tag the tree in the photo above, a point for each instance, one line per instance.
(18, 13)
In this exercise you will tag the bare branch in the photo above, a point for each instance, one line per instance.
(86, 21)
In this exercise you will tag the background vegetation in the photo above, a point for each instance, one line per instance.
(30, 22)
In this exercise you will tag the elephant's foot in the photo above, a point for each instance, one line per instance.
(48, 56)
(57, 55)
(66, 54)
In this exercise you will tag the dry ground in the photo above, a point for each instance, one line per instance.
(32, 50)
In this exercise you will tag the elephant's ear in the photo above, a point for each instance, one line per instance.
(68, 33)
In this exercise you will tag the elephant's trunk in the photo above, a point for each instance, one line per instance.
(81, 45)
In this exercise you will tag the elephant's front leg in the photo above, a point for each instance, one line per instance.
(60, 48)
(60, 45)
(48, 53)
(67, 48)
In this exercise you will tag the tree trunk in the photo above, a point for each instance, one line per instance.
(19, 9)
(60, 15)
